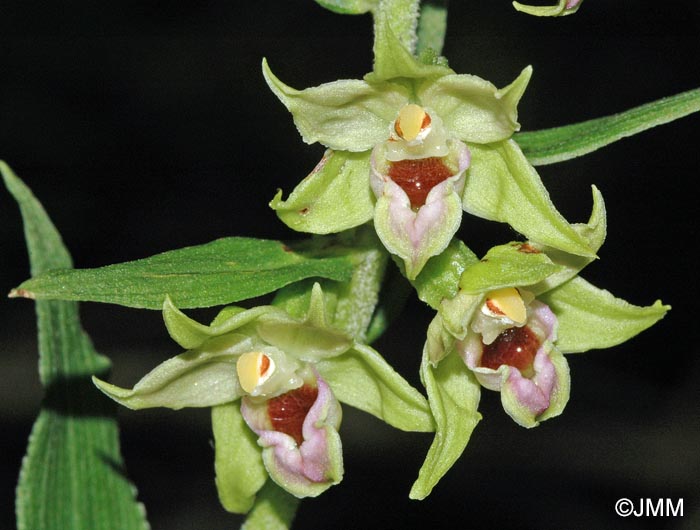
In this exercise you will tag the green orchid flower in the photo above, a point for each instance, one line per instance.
(411, 146)
(513, 317)
(278, 379)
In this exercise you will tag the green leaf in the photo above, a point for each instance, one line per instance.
(362, 379)
(557, 144)
(503, 186)
(439, 279)
(221, 272)
(72, 476)
(453, 393)
(511, 265)
(345, 115)
(473, 109)
(349, 7)
(591, 318)
(335, 196)
(274, 509)
(240, 472)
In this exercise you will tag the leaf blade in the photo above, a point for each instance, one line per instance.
(220, 272)
(549, 146)
(72, 475)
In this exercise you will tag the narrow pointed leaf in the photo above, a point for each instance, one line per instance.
(591, 318)
(72, 476)
(221, 272)
(557, 144)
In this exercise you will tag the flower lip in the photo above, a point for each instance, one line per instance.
(516, 347)
(418, 176)
(288, 412)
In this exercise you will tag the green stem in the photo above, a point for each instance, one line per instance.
(432, 25)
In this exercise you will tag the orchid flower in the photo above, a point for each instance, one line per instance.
(410, 147)
(279, 379)
(506, 327)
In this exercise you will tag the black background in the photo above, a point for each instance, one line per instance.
(146, 126)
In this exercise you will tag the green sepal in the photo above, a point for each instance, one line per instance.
(240, 472)
(473, 109)
(197, 378)
(592, 318)
(439, 279)
(345, 115)
(510, 265)
(335, 196)
(274, 509)
(453, 394)
(502, 186)
(593, 233)
(394, 59)
(310, 339)
(362, 379)
(557, 10)
(190, 334)
(349, 7)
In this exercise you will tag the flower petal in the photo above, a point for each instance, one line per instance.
(473, 109)
(309, 468)
(334, 197)
(347, 115)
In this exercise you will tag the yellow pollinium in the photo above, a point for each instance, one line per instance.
(411, 121)
(507, 302)
(254, 368)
